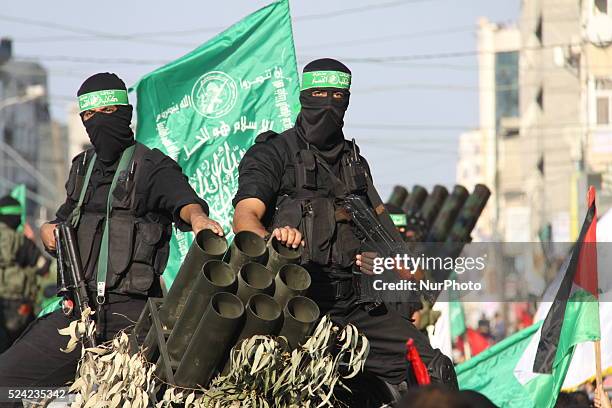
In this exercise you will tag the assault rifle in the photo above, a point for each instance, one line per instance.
(386, 243)
(70, 280)
(367, 222)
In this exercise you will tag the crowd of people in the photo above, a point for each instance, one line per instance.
(27, 277)
(438, 396)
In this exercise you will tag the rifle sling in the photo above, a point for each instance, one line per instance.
(75, 215)
(381, 212)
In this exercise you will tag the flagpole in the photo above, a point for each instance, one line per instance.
(467, 350)
(605, 402)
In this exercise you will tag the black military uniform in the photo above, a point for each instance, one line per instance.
(146, 199)
(302, 176)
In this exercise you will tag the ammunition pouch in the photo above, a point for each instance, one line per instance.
(331, 291)
(314, 218)
(138, 244)
(354, 176)
(139, 251)
(442, 371)
(364, 291)
(311, 204)
(306, 171)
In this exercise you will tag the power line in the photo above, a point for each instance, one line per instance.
(131, 61)
(402, 127)
(400, 58)
(375, 40)
(459, 88)
(97, 35)
(24, 164)
(43, 201)
(83, 31)
(436, 55)
(93, 60)
(145, 37)
(355, 10)
(427, 127)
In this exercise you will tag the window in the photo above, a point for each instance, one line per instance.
(602, 6)
(506, 84)
(603, 101)
(540, 98)
(603, 111)
(538, 30)
(8, 136)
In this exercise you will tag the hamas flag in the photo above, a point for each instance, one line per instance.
(528, 368)
(206, 108)
(19, 194)
(491, 372)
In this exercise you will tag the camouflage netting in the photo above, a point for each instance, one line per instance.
(262, 374)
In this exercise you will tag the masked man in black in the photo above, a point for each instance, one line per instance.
(292, 185)
(122, 198)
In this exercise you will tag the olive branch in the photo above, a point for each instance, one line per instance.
(262, 373)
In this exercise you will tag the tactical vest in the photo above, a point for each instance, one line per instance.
(313, 203)
(16, 282)
(138, 243)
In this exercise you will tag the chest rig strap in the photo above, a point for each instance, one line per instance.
(75, 215)
(126, 158)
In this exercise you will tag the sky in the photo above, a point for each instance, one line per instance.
(415, 80)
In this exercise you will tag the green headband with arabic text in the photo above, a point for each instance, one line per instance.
(10, 210)
(326, 79)
(99, 99)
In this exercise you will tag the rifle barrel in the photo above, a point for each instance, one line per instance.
(81, 297)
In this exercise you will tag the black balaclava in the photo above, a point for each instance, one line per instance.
(320, 120)
(10, 212)
(110, 134)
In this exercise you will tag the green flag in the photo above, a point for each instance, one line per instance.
(19, 194)
(206, 108)
(491, 372)
(50, 305)
(528, 369)
(455, 312)
(457, 318)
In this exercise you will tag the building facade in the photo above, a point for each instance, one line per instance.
(32, 148)
(566, 85)
(546, 117)
(77, 136)
(481, 150)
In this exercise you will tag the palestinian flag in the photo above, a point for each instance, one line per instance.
(572, 319)
(527, 369)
